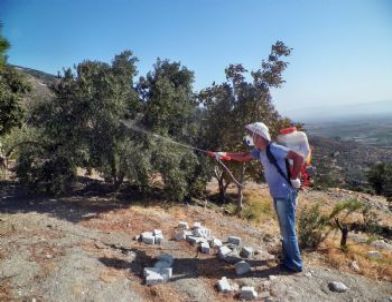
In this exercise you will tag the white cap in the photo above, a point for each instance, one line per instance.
(259, 128)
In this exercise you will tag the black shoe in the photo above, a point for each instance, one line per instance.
(289, 270)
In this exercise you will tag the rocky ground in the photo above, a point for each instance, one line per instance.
(82, 248)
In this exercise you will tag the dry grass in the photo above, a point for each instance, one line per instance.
(332, 255)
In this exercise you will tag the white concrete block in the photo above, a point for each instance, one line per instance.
(224, 251)
(242, 267)
(205, 248)
(214, 242)
(224, 285)
(247, 252)
(197, 225)
(234, 240)
(148, 238)
(195, 240)
(248, 293)
(167, 273)
(157, 232)
(181, 234)
(158, 238)
(201, 232)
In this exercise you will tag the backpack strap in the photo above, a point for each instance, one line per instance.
(273, 161)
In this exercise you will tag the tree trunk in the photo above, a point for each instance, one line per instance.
(240, 204)
(344, 230)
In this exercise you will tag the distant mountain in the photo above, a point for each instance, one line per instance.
(327, 113)
(40, 82)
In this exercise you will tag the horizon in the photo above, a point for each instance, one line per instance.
(341, 51)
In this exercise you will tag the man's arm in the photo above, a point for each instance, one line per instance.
(298, 161)
(240, 156)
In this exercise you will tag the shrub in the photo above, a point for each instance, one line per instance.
(311, 227)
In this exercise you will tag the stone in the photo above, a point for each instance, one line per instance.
(223, 252)
(247, 252)
(183, 225)
(205, 248)
(148, 238)
(248, 293)
(308, 274)
(381, 244)
(374, 255)
(272, 277)
(355, 267)
(242, 268)
(337, 286)
(234, 240)
(224, 285)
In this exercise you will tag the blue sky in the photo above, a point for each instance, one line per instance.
(342, 49)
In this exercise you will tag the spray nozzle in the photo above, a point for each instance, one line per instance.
(248, 140)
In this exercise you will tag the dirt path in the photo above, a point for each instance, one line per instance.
(82, 249)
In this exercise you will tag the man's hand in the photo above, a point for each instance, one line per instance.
(219, 155)
(296, 183)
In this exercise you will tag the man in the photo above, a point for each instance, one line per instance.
(282, 190)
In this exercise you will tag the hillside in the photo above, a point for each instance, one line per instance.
(40, 82)
(82, 247)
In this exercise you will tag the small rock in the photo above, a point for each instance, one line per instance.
(248, 293)
(247, 252)
(99, 245)
(308, 274)
(381, 244)
(355, 267)
(48, 256)
(234, 240)
(374, 255)
(183, 225)
(224, 285)
(337, 286)
(272, 277)
(242, 267)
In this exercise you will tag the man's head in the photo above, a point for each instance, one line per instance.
(260, 134)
